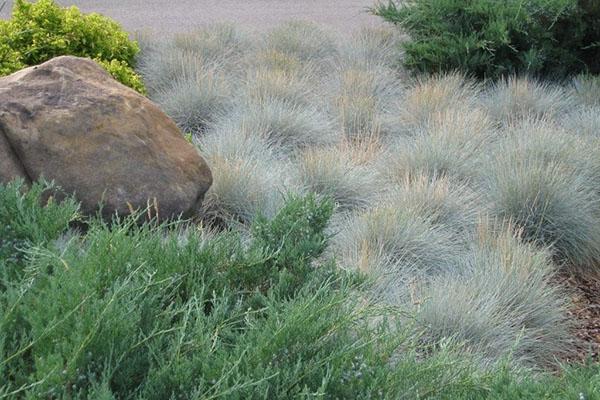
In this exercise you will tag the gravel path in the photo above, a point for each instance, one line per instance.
(171, 16)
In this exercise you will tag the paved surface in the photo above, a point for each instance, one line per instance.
(170, 16)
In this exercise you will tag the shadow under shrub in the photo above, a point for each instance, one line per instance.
(489, 38)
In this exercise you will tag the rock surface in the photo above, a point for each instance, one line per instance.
(67, 120)
(10, 166)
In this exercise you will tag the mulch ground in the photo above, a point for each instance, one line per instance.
(585, 294)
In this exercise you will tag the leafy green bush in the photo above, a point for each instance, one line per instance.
(124, 74)
(40, 31)
(489, 38)
(9, 58)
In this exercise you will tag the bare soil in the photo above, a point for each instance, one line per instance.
(585, 296)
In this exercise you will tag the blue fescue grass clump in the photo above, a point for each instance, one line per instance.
(503, 302)
(540, 179)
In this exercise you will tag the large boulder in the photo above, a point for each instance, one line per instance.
(68, 121)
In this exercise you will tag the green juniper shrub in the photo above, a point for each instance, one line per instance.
(294, 238)
(576, 381)
(37, 32)
(160, 311)
(26, 220)
(489, 38)
(589, 14)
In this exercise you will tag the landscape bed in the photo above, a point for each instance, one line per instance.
(368, 234)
